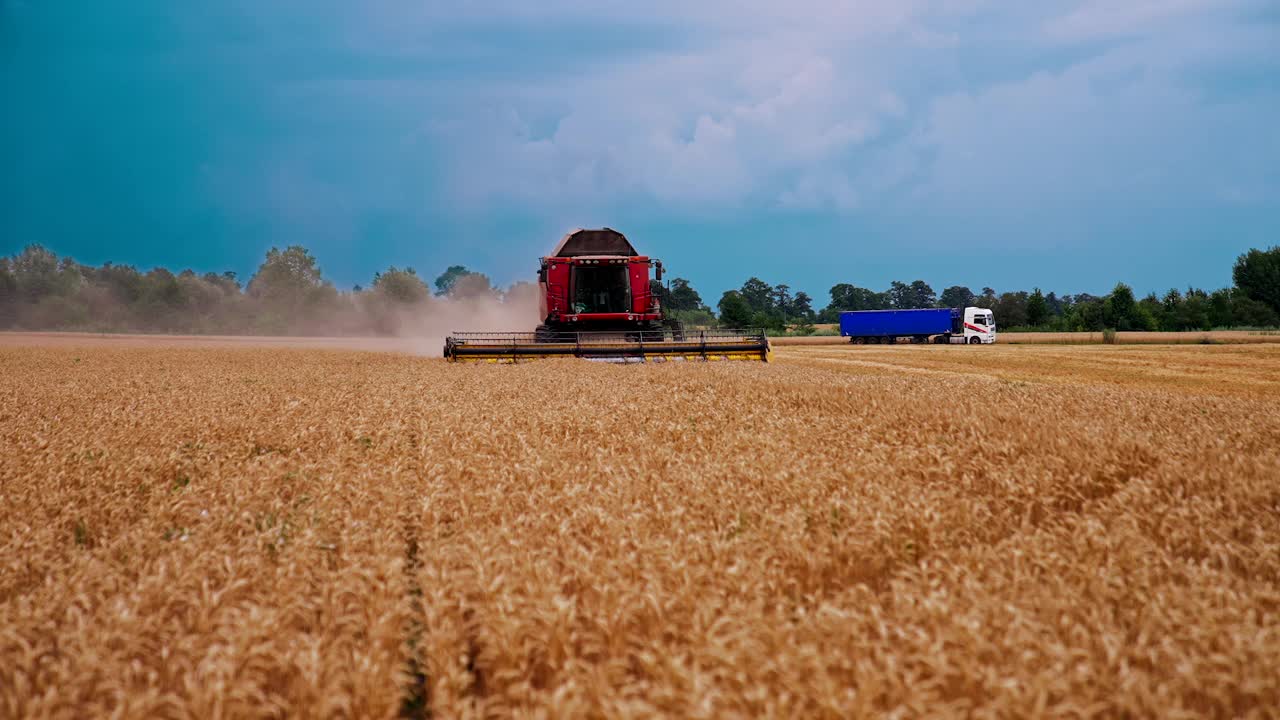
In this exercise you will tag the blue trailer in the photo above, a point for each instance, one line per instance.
(970, 325)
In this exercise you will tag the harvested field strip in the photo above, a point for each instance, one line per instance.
(1224, 337)
(1231, 370)
(322, 532)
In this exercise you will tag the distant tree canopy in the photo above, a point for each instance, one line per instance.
(1194, 309)
(682, 302)
(773, 307)
(402, 286)
(734, 309)
(917, 295)
(682, 296)
(459, 282)
(849, 297)
(1037, 308)
(1257, 275)
(957, 296)
(289, 294)
(289, 277)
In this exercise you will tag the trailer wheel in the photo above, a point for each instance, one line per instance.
(858, 340)
(975, 340)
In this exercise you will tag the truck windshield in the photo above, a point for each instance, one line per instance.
(991, 320)
(602, 289)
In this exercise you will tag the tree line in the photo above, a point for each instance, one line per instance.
(1253, 301)
(289, 295)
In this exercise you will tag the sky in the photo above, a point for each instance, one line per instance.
(1066, 145)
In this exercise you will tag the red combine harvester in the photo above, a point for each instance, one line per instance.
(596, 303)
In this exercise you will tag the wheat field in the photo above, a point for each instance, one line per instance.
(239, 531)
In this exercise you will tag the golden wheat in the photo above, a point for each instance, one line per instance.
(995, 531)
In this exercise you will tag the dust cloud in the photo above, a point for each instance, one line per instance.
(421, 328)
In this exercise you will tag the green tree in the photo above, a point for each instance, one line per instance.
(1221, 309)
(402, 286)
(123, 282)
(473, 286)
(682, 297)
(1055, 305)
(802, 307)
(701, 317)
(735, 312)
(956, 296)
(911, 297)
(8, 295)
(1118, 310)
(987, 300)
(1257, 274)
(38, 273)
(1153, 312)
(803, 327)
(850, 297)
(1248, 312)
(922, 295)
(1171, 318)
(1037, 309)
(1011, 309)
(288, 278)
(758, 294)
(771, 320)
(1086, 314)
(782, 301)
(447, 279)
(1194, 312)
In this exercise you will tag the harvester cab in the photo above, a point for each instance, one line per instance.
(596, 302)
(596, 281)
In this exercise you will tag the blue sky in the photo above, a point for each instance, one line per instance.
(1066, 145)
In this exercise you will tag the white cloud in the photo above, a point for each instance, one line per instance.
(1102, 18)
(843, 106)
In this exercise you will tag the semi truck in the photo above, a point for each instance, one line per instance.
(970, 325)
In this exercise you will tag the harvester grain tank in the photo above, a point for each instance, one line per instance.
(971, 325)
(596, 302)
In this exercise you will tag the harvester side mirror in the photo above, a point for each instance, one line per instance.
(657, 273)
(542, 273)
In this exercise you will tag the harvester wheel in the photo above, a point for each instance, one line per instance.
(544, 334)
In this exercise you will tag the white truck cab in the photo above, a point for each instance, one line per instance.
(979, 326)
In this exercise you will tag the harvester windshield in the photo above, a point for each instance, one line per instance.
(601, 289)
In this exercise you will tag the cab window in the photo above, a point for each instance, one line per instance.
(979, 319)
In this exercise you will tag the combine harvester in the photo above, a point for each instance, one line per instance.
(596, 303)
